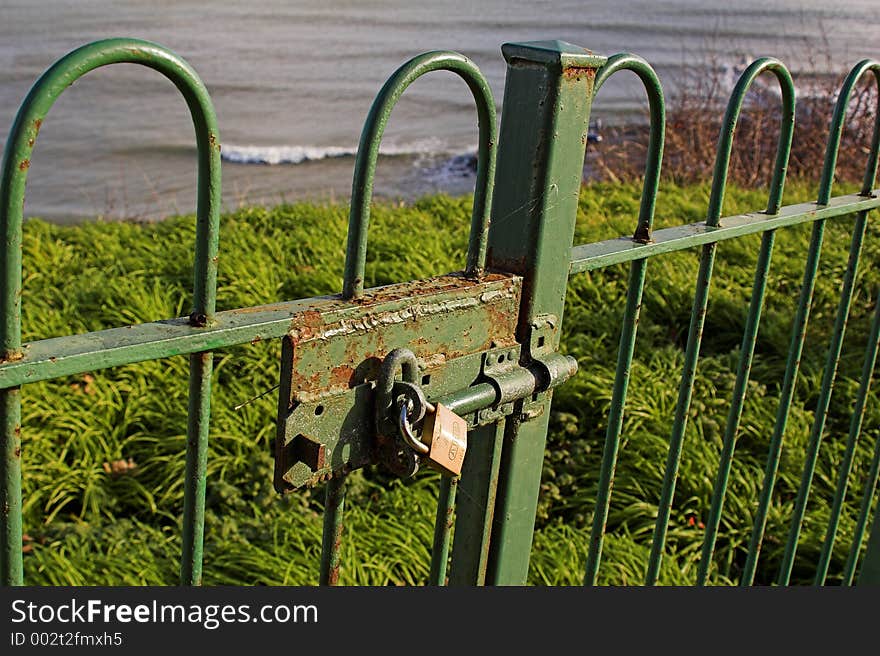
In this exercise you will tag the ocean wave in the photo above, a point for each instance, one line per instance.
(300, 154)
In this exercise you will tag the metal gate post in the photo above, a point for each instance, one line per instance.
(547, 100)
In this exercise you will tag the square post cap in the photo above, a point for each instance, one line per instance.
(553, 54)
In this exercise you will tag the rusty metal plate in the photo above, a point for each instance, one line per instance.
(330, 362)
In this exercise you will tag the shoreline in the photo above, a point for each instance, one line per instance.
(400, 178)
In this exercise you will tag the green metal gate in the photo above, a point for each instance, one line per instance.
(483, 342)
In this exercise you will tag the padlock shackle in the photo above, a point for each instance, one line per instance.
(406, 430)
(404, 360)
(368, 155)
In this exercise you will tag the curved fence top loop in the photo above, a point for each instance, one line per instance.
(368, 154)
(728, 128)
(20, 145)
(836, 132)
(657, 108)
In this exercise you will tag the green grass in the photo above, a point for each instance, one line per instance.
(88, 526)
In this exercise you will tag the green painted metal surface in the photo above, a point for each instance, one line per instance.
(547, 98)
(448, 322)
(13, 177)
(636, 286)
(750, 334)
(846, 294)
(368, 155)
(443, 524)
(485, 340)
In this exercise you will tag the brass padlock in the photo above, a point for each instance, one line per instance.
(445, 434)
(444, 438)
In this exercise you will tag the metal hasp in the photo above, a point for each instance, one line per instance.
(331, 360)
(461, 335)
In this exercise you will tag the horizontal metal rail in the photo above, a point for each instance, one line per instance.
(74, 354)
(624, 249)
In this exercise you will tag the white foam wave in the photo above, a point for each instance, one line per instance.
(299, 154)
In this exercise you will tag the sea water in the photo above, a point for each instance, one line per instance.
(292, 83)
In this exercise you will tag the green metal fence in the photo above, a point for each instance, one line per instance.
(483, 342)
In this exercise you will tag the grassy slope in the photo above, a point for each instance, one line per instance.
(88, 527)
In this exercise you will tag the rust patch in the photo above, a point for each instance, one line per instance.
(341, 375)
(450, 518)
(352, 351)
(256, 340)
(642, 235)
(307, 324)
(502, 327)
(303, 383)
(25, 165)
(38, 123)
(577, 73)
(485, 310)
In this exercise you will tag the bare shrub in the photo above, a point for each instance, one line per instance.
(695, 110)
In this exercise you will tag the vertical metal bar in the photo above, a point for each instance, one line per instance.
(836, 132)
(634, 296)
(10, 495)
(826, 182)
(368, 155)
(862, 521)
(704, 277)
(334, 506)
(198, 424)
(796, 346)
(673, 458)
(855, 428)
(540, 165)
(824, 401)
(443, 529)
(747, 351)
(615, 418)
(13, 178)
(870, 573)
(475, 508)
